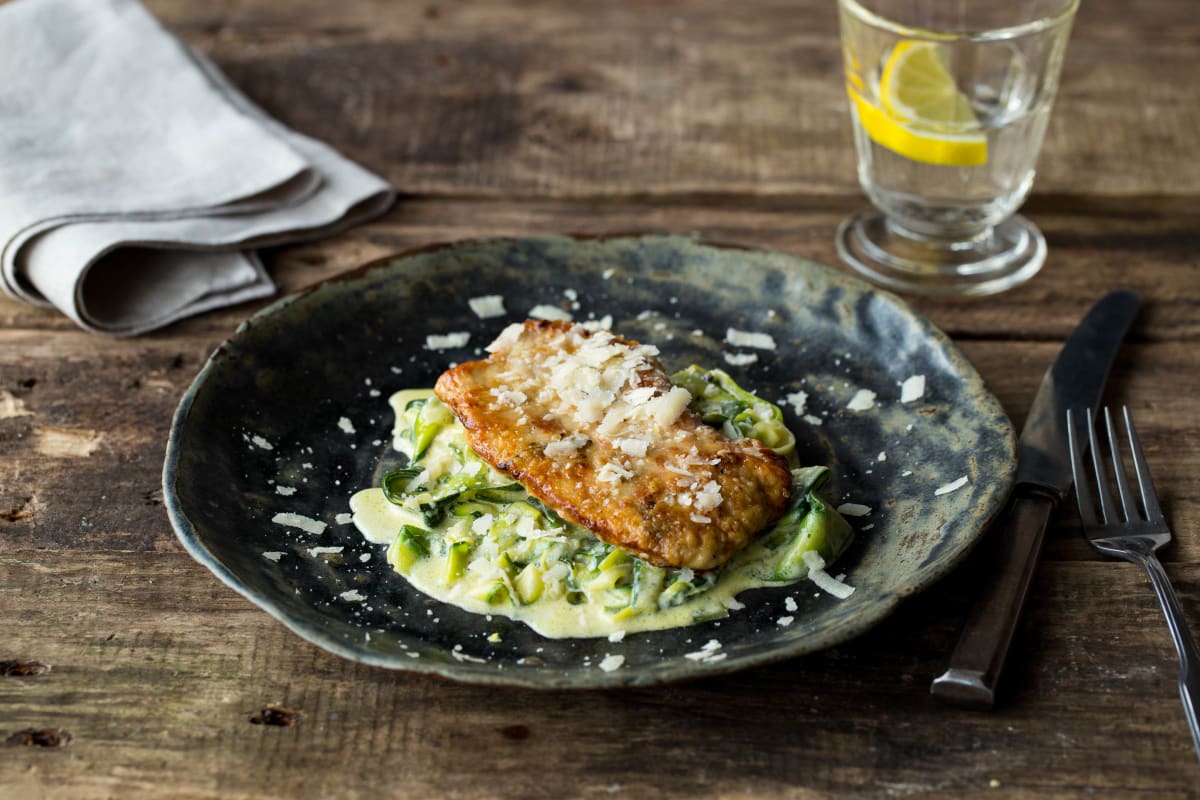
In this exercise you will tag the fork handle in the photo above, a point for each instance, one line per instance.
(1185, 643)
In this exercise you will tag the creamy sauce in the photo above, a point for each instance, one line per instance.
(509, 558)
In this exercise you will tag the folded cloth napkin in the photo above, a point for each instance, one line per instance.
(135, 180)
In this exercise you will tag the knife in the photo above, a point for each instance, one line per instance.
(1075, 380)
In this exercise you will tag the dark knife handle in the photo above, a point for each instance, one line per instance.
(1016, 544)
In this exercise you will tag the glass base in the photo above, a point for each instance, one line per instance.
(997, 259)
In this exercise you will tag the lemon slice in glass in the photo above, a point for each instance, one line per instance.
(923, 116)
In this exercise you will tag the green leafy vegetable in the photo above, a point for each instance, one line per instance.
(719, 401)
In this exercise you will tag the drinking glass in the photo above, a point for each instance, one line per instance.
(950, 100)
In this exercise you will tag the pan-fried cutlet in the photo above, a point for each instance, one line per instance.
(588, 422)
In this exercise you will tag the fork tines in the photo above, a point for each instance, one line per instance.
(1129, 504)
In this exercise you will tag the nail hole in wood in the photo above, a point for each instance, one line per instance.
(274, 715)
(23, 669)
(40, 737)
(517, 733)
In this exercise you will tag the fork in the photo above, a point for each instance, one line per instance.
(1134, 534)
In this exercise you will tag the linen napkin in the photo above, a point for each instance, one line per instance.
(136, 181)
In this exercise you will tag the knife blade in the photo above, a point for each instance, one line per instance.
(1075, 380)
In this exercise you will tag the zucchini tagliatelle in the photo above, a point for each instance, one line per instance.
(466, 534)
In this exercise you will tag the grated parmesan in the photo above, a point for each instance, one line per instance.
(611, 662)
(565, 447)
(487, 306)
(760, 341)
(602, 324)
(797, 400)
(306, 524)
(632, 447)
(853, 510)
(912, 389)
(544, 311)
(863, 400)
(953, 486)
(823, 580)
(447, 341)
(739, 359)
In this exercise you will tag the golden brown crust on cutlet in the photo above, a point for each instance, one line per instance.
(692, 499)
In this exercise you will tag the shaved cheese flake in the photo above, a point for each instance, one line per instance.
(321, 551)
(306, 524)
(602, 324)
(709, 496)
(353, 596)
(953, 486)
(507, 338)
(544, 311)
(509, 397)
(273, 555)
(797, 401)
(632, 447)
(739, 359)
(912, 389)
(668, 407)
(448, 341)
(863, 400)
(760, 341)
(487, 306)
(565, 447)
(612, 662)
(640, 395)
(612, 473)
(706, 653)
(824, 581)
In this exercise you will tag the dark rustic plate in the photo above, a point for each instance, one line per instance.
(290, 416)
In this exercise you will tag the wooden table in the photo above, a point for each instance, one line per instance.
(511, 117)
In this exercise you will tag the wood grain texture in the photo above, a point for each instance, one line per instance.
(509, 117)
(157, 670)
(1150, 249)
(653, 97)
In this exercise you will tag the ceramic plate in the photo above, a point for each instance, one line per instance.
(290, 417)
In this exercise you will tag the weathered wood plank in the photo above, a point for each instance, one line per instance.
(560, 99)
(1091, 251)
(157, 670)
